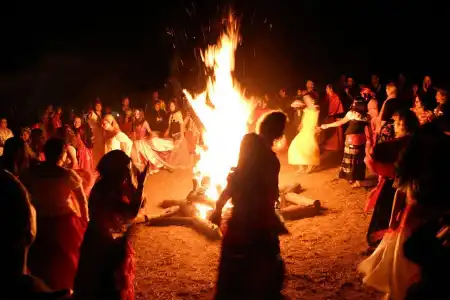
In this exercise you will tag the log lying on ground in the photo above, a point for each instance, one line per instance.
(170, 203)
(297, 199)
(304, 207)
(205, 227)
(170, 221)
(166, 213)
(290, 188)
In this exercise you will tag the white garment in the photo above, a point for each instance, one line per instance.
(119, 142)
(4, 135)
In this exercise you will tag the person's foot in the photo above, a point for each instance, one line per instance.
(300, 170)
(309, 169)
(356, 184)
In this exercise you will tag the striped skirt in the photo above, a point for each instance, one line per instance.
(353, 166)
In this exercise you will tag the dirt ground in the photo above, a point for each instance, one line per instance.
(321, 254)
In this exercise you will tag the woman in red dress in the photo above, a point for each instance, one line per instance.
(106, 268)
(334, 139)
(61, 207)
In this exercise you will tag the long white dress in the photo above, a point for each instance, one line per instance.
(304, 149)
(4, 135)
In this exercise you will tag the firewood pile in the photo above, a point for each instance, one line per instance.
(291, 206)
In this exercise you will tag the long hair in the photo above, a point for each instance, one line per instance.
(140, 120)
(16, 156)
(115, 126)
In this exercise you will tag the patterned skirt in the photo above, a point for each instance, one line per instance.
(353, 166)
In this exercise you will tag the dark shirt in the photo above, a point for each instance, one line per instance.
(158, 120)
(391, 106)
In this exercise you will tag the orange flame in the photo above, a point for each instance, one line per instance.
(225, 117)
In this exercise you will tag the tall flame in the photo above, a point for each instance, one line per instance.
(226, 115)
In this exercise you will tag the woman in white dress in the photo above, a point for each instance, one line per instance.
(142, 152)
(304, 150)
(115, 139)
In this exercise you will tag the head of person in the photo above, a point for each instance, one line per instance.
(139, 115)
(155, 96)
(374, 80)
(3, 123)
(419, 103)
(359, 105)
(309, 100)
(173, 105)
(98, 106)
(427, 81)
(310, 85)
(59, 110)
(367, 93)
(19, 217)
(271, 126)
(55, 151)
(405, 123)
(25, 133)
(329, 90)
(126, 102)
(77, 122)
(441, 96)
(350, 82)
(114, 166)
(282, 93)
(391, 90)
(16, 155)
(110, 124)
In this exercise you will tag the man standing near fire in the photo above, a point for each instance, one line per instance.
(250, 265)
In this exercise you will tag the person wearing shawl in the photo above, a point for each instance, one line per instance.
(334, 139)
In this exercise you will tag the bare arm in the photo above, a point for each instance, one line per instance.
(336, 124)
(82, 202)
(72, 154)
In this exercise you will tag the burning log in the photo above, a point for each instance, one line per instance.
(170, 203)
(206, 228)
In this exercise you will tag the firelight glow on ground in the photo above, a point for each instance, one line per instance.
(225, 117)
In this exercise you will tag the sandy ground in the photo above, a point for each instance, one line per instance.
(321, 254)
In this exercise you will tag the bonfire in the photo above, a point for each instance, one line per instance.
(224, 112)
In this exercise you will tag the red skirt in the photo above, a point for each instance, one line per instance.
(54, 255)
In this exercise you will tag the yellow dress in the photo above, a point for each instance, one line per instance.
(304, 149)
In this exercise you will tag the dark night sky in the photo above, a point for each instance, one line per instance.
(73, 52)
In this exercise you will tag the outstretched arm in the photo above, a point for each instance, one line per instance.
(335, 124)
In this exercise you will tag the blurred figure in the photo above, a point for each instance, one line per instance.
(251, 240)
(378, 89)
(427, 92)
(95, 119)
(441, 99)
(17, 157)
(334, 139)
(180, 157)
(304, 150)
(19, 217)
(61, 206)
(423, 114)
(115, 139)
(5, 133)
(107, 267)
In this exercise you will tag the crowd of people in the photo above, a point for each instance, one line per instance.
(80, 179)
